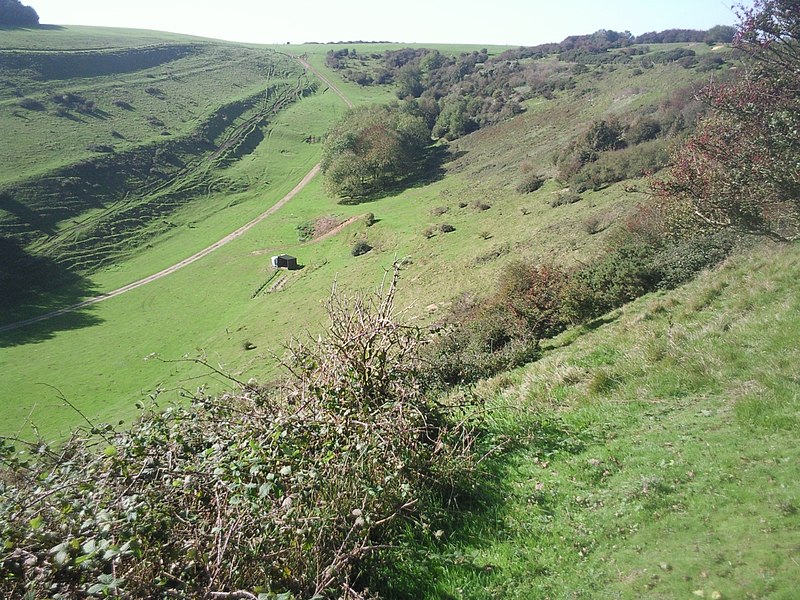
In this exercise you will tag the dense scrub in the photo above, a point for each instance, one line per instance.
(532, 302)
(293, 491)
(459, 94)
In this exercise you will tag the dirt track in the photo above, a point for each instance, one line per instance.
(205, 251)
(326, 81)
(198, 255)
(186, 261)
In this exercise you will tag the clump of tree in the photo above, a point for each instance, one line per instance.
(298, 491)
(459, 94)
(740, 168)
(373, 149)
(16, 14)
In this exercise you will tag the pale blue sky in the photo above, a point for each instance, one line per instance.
(515, 22)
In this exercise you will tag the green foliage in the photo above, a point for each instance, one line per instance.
(562, 198)
(16, 14)
(373, 149)
(530, 183)
(619, 165)
(677, 263)
(295, 490)
(360, 247)
(453, 120)
(305, 231)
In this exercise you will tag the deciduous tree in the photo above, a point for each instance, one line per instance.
(372, 149)
(741, 168)
(14, 13)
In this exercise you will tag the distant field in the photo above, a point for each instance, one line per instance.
(77, 37)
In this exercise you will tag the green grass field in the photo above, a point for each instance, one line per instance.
(652, 455)
(96, 357)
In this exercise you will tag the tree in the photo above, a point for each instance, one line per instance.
(740, 168)
(372, 149)
(14, 13)
(409, 81)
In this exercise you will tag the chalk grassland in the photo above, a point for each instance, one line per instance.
(78, 37)
(96, 358)
(651, 455)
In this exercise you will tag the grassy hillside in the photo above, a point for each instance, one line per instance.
(208, 309)
(652, 454)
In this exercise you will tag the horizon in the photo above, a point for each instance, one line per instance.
(447, 22)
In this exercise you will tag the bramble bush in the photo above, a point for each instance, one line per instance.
(296, 491)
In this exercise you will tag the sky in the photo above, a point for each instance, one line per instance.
(504, 22)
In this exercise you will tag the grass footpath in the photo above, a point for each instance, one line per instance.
(652, 456)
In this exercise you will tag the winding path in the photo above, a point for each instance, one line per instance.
(198, 255)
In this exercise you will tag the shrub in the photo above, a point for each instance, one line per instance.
(446, 228)
(593, 225)
(642, 130)
(530, 183)
(679, 262)
(439, 211)
(478, 349)
(305, 231)
(620, 276)
(533, 294)
(629, 163)
(360, 247)
(31, 104)
(294, 491)
(429, 231)
(563, 198)
(369, 219)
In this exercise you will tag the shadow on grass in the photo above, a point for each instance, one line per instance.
(33, 286)
(419, 565)
(578, 331)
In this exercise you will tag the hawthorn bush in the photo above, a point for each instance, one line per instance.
(290, 492)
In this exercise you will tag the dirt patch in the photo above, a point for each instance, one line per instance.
(325, 225)
(334, 230)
